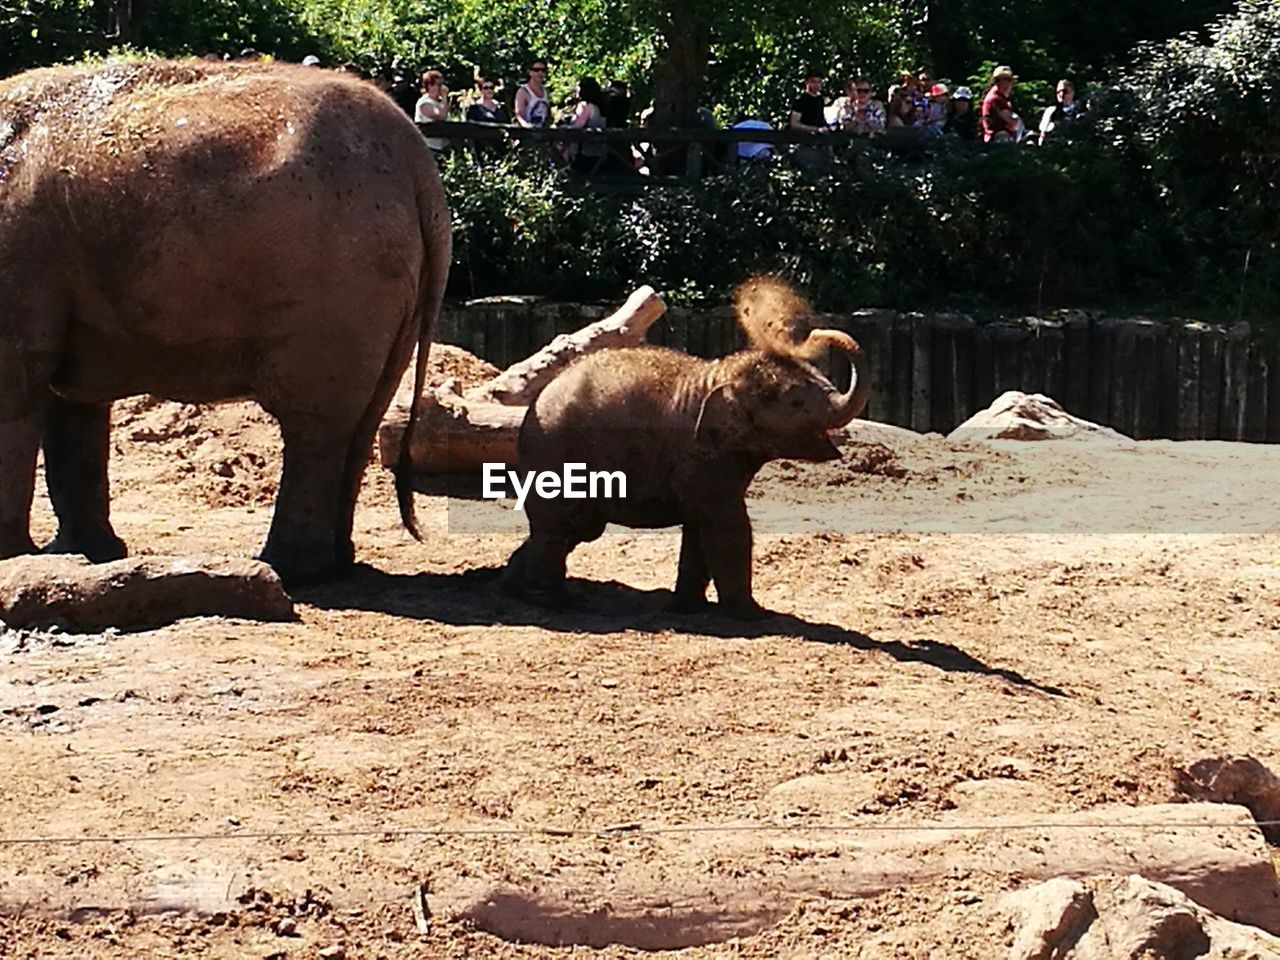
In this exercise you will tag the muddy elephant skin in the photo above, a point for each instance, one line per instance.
(206, 232)
(689, 435)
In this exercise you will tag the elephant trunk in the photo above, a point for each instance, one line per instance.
(846, 406)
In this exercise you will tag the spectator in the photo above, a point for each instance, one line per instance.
(487, 109)
(962, 122)
(901, 110)
(532, 108)
(935, 110)
(921, 97)
(617, 104)
(402, 92)
(432, 107)
(807, 109)
(588, 115)
(859, 113)
(999, 123)
(1066, 109)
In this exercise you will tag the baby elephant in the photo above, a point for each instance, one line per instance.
(689, 435)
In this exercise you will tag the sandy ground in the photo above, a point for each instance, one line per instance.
(966, 630)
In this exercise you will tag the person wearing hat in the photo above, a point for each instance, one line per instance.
(808, 110)
(999, 123)
(935, 110)
(962, 122)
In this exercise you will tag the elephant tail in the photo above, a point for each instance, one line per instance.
(437, 251)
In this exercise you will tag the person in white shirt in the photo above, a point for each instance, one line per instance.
(432, 106)
(532, 107)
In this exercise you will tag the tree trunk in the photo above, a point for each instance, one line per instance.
(681, 68)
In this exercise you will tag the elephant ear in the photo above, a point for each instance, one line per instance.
(719, 417)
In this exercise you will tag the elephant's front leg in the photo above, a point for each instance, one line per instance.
(19, 443)
(76, 447)
(726, 543)
(694, 575)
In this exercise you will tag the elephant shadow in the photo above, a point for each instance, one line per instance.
(472, 598)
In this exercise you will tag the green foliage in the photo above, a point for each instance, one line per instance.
(38, 32)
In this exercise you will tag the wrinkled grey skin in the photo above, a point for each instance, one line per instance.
(206, 232)
(690, 435)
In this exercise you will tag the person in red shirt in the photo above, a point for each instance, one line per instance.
(999, 123)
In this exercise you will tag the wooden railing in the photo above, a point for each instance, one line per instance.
(694, 152)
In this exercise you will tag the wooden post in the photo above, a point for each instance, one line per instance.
(1101, 346)
(542, 324)
(693, 161)
(1273, 397)
(1255, 420)
(1079, 368)
(952, 380)
(903, 356)
(873, 329)
(1167, 400)
(984, 366)
(1189, 423)
(1124, 375)
(921, 373)
(1212, 341)
(1146, 393)
(1235, 382)
(1009, 343)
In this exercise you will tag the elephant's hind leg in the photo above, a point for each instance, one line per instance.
(726, 542)
(303, 544)
(19, 443)
(76, 449)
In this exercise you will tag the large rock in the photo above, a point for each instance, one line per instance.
(1125, 918)
(71, 593)
(1015, 415)
(1242, 780)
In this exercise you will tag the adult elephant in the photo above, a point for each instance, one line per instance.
(688, 435)
(207, 232)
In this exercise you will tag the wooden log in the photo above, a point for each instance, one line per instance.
(1235, 382)
(1146, 393)
(984, 366)
(1228, 870)
(453, 434)
(1101, 345)
(1009, 342)
(952, 370)
(1255, 417)
(543, 321)
(1212, 340)
(521, 382)
(873, 329)
(1190, 423)
(1273, 398)
(1167, 381)
(1124, 375)
(903, 356)
(921, 374)
(1079, 366)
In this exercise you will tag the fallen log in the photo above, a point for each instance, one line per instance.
(453, 434)
(1213, 853)
(457, 432)
(626, 327)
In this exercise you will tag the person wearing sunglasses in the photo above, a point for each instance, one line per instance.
(532, 107)
(858, 112)
(487, 109)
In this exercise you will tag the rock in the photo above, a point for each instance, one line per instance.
(1124, 918)
(1052, 917)
(70, 592)
(1242, 780)
(1015, 415)
(334, 952)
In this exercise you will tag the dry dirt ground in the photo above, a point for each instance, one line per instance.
(968, 631)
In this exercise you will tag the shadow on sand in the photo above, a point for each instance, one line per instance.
(472, 598)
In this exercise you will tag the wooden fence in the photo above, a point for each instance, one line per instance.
(1146, 378)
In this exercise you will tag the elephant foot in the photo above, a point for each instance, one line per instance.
(20, 548)
(745, 610)
(685, 603)
(97, 548)
(302, 567)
